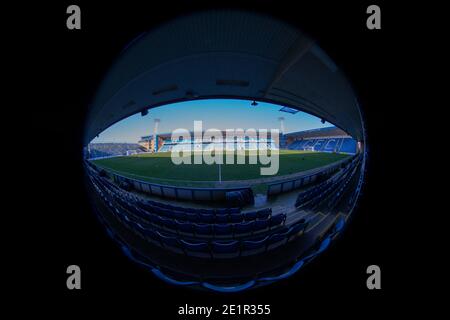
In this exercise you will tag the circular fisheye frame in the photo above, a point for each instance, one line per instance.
(224, 151)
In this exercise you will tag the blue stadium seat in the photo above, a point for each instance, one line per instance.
(330, 145)
(185, 227)
(236, 217)
(261, 224)
(202, 229)
(348, 146)
(222, 229)
(222, 211)
(155, 219)
(225, 249)
(207, 217)
(251, 215)
(179, 215)
(244, 227)
(264, 213)
(205, 211)
(250, 247)
(196, 249)
(163, 205)
(169, 223)
(192, 216)
(153, 236)
(183, 209)
(277, 220)
(277, 239)
(165, 212)
(297, 229)
(221, 218)
(170, 242)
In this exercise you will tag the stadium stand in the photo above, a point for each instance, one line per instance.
(329, 139)
(321, 246)
(216, 233)
(339, 145)
(103, 150)
(237, 247)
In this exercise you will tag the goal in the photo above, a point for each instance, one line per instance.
(131, 152)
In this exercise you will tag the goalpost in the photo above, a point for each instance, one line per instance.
(131, 152)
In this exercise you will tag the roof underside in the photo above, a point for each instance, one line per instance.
(225, 54)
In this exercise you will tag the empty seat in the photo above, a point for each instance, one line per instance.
(244, 227)
(207, 217)
(203, 229)
(179, 215)
(185, 227)
(236, 217)
(248, 216)
(155, 219)
(222, 211)
(297, 229)
(192, 216)
(221, 218)
(165, 212)
(170, 242)
(277, 220)
(225, 249)
(262, 224)
(169, 223)
(277, 239)
(264, 213)
(250, 247)
(196, 248)
(222, 229)
(205, 211)
(150, 234)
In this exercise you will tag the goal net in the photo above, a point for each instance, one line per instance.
(131, 152)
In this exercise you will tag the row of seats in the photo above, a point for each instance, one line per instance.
(197, 215)
(202, 217)
(321, 246)
(336, 196)
(227, 229)
(346, 145)
(230, 230)
(167, 206)
(98, 150)
(123, 189)
(217, 249)
(213, 248)
(221, 248)
(312, 197)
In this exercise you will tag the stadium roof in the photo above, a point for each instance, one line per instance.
(224, 54)
(320, 132)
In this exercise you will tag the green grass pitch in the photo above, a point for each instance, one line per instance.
(158, 168)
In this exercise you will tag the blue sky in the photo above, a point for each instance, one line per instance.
(215, 113)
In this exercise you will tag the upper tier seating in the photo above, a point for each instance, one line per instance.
(344, 145)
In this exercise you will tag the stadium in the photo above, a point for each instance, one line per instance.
(279, 189)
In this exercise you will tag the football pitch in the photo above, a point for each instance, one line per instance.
(159, 168)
